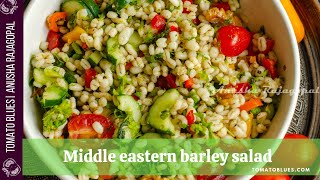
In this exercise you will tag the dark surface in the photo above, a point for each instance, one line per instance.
(311, 53)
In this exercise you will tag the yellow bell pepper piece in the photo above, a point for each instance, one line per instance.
(73, 35)
(295, 20)
(249, 125)
(232, 66)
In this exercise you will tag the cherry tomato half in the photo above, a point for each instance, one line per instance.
(295, 136)
(302, 151)
(80, 127)
(233, 40)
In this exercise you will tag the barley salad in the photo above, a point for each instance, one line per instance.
(154, 69)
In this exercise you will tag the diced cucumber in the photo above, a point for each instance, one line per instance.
(129, 105)
(73, 6)
(128, 130)
(76, 48)
(52, 71)
(70, 52)
(77, 56)
(120, 4)
(53, 95)
(94, 8)
(114, 53)
(95, 58)
(159, 113)
(58, 61)
(40, 77)
(69, 76)
(135, 40)
(151, 136)
(193, 95)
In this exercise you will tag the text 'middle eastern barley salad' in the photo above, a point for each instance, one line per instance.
(154, 69)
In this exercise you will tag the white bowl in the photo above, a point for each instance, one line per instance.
(268, 13)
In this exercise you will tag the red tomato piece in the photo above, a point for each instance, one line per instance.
(106, 177)
(166, 82)
(140, 54)
(80, 127)
(202, 177)
(135, 97)
(295, 136)
(89, 75)
(188, 84)
(233, 40)
(190, 117)
(270, 45)
(84, 46)
(158, 23)
(174, 28)
(271, 177)
(162, 83)
(196, 21)
(53, 39)
(186, 11)
(270, 66)
(242, 88)
(251, 52)
(222, 5)
(128, 66)
(171, 79)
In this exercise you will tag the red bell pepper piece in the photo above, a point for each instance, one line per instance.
(190, 117)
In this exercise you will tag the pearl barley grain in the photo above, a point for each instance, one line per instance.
(97, 127)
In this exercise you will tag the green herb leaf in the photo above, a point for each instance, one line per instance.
(255, 111)
(154, 58)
